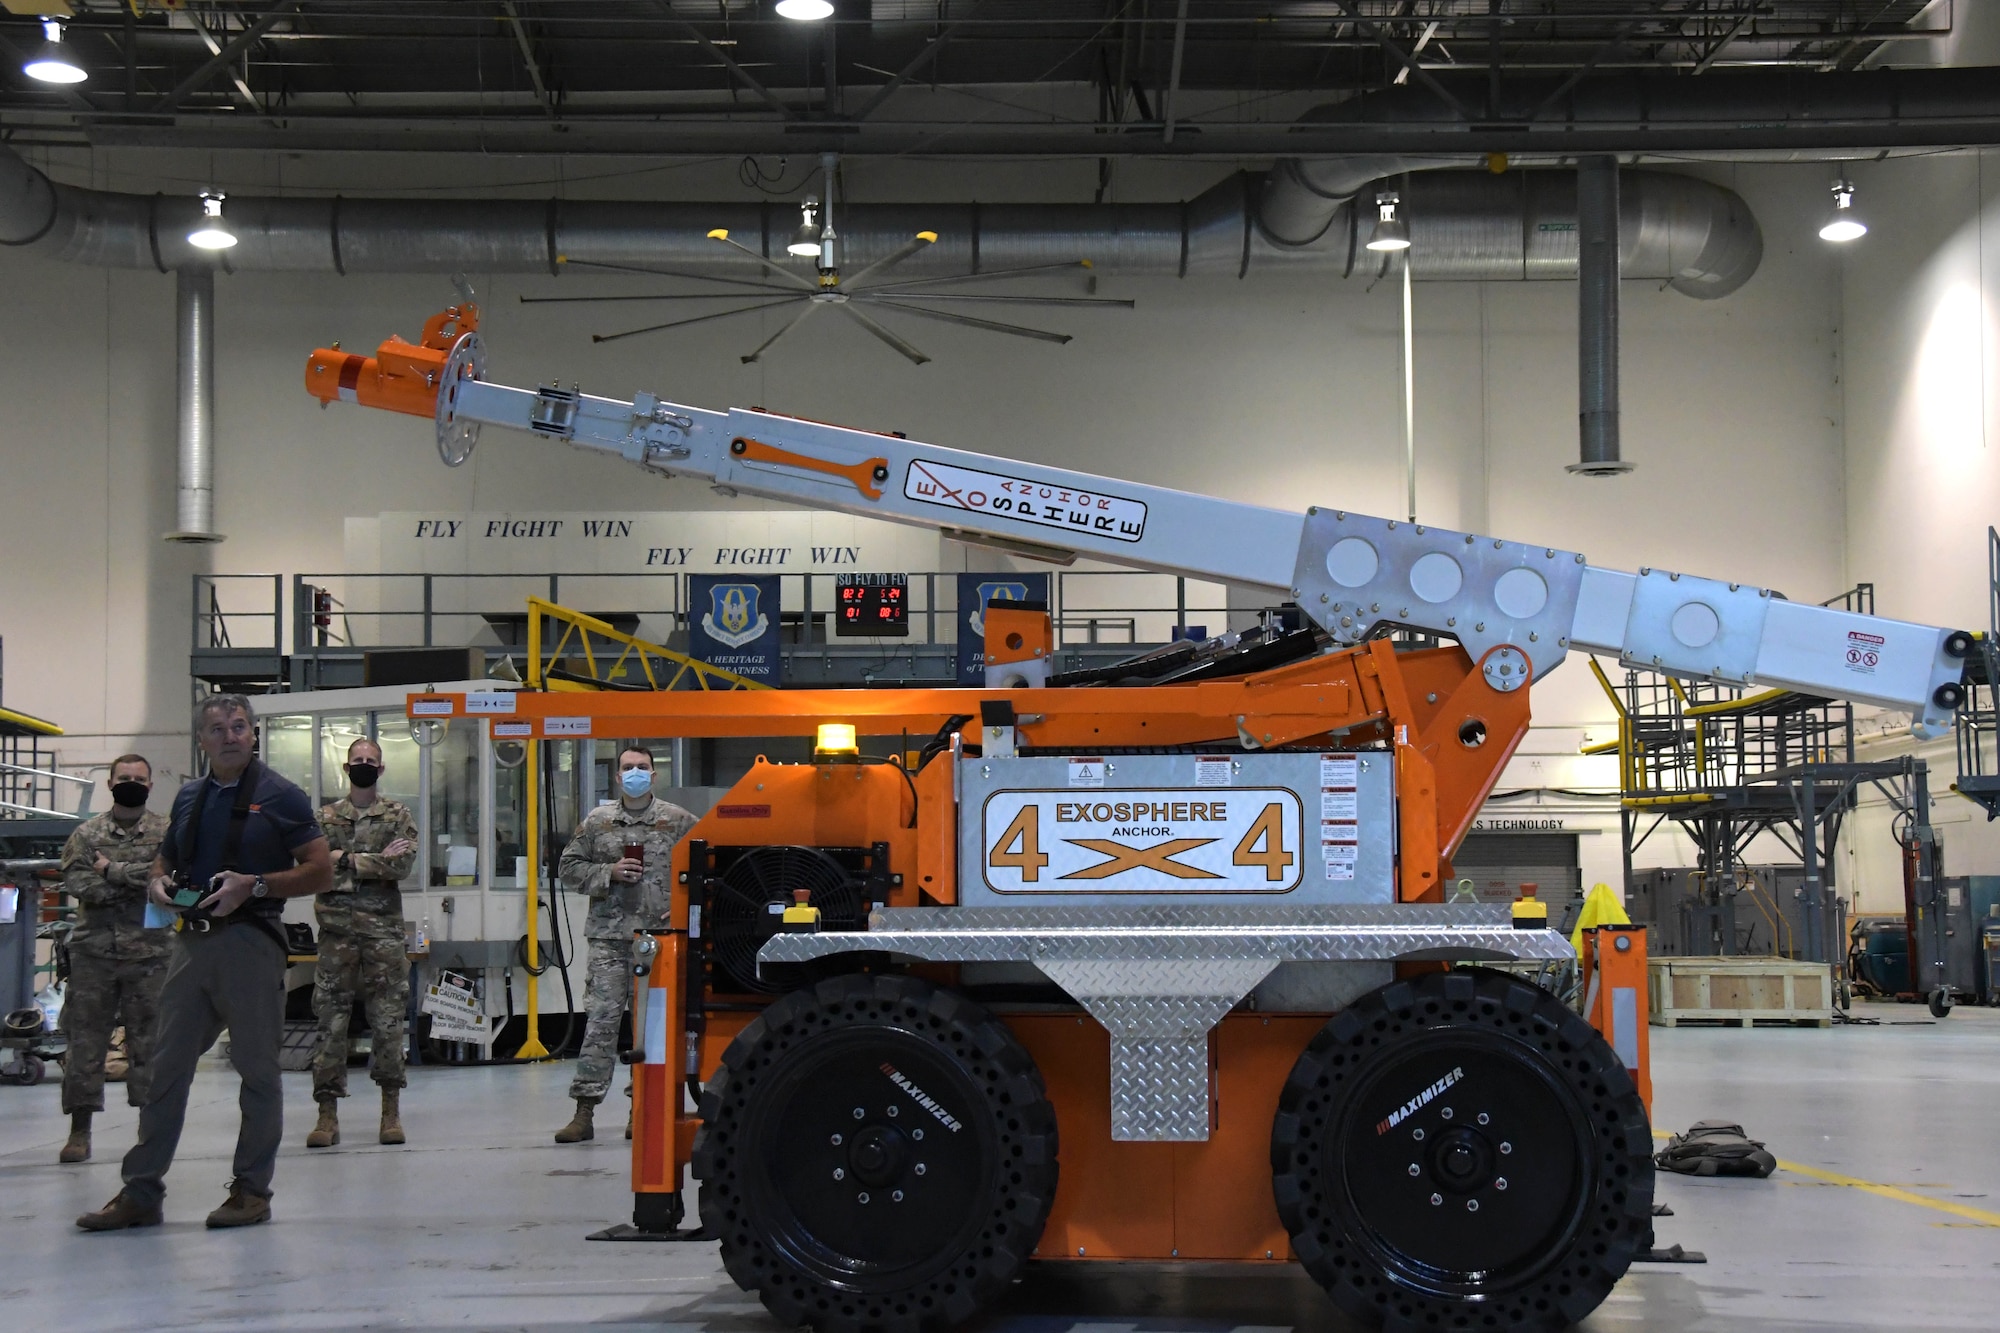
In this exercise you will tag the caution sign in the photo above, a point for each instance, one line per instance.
(1144, 840)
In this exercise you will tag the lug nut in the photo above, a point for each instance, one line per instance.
(1418, 1135)
(1472, 1205)
(1446, 1113)
(1483, 1117)
(861, 1197)
(1500, 1184)
(839, 1173)
(1414, 1170)
(896, 1196)
(859, 1113)
(921, 1168)
(836, 1140)
(916, 1133)
(1506, 1148)
(892, 1113)
(1436, 1199)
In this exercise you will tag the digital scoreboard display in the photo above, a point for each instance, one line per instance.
(872, 604)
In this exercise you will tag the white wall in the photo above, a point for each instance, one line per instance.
(1277, 390)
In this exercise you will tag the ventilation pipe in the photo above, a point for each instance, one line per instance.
(1468, 225)
(194, 385)
(1597, 274)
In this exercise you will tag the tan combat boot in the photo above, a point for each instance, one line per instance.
(580, 1129)
(240, 1209)
(327, 1132)
(392, 1116)
(78, 1147)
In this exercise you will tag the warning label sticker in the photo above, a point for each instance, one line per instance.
(1864, 651)
(1088, 513)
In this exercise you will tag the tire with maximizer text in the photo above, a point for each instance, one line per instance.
(1461, 1151)
(875, 1154)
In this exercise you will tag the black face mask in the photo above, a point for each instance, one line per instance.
(363, 775)
(131, 795)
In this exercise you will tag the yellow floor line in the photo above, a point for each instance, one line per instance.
(1978, 1215)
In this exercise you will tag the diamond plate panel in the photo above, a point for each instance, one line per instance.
(1159, 1089)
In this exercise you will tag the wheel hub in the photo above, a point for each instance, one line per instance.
(1461, 1163)
(877, 1155)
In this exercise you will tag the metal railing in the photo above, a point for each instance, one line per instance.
(338, 614)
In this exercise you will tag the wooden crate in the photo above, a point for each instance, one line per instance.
(1739, 992)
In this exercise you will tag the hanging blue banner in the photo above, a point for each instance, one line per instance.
(733, 624)
(974, 592)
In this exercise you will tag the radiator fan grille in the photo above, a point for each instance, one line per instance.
(746, 900)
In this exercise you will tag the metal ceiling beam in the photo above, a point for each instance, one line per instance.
(1174, 73)
(1404, 58)
(728, 62)
(534, 65)
(909, 71)
(214, 46)
(222, 59)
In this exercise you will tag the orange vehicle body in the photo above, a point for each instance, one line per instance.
(1450, 734)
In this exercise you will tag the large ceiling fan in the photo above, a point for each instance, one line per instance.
(853, 296)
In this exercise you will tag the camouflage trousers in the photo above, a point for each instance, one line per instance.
(104, 992)
(368, 961)
(606, 996)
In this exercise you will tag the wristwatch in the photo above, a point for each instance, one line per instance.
(260, 889)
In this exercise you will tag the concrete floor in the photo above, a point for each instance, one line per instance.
(479, 1223)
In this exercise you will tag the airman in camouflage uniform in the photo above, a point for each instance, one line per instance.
(625, 896)
(116, 965)
(362, 948)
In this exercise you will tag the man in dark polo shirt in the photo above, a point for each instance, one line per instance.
(245, 839)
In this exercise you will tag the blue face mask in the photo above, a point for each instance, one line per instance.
(637, 782)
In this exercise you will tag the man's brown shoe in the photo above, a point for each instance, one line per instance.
(240, 1209)
(122, 1212)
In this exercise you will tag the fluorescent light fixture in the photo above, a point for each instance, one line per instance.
(805, 241)
(52, 64)
(805, 11)
(1843, 224)
(1391, 232)
(213, 233)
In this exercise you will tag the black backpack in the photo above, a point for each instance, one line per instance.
(1715, 1148)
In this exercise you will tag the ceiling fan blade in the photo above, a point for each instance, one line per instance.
(987, 276)
(662, 296)
(682, 323)
(948, 317)
(916, 357)
(790, 324)
(668, 273)
(720, 235)
(1016, 300)
(908, 248)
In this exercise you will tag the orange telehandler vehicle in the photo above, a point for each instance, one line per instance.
(1144, 962)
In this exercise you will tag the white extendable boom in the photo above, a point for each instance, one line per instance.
(1517, 609)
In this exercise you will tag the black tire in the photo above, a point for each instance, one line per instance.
(1939, 1001)
(848, 1077)
(1392, 1140)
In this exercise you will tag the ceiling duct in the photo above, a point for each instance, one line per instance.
(1468, 225)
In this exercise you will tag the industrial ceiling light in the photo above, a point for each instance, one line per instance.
(1391, 232)
(1843, 224)
(805, 241)
(805, 11)
(52, 64)
(213, 233)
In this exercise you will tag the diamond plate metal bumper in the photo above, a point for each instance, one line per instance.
(1159, 977)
